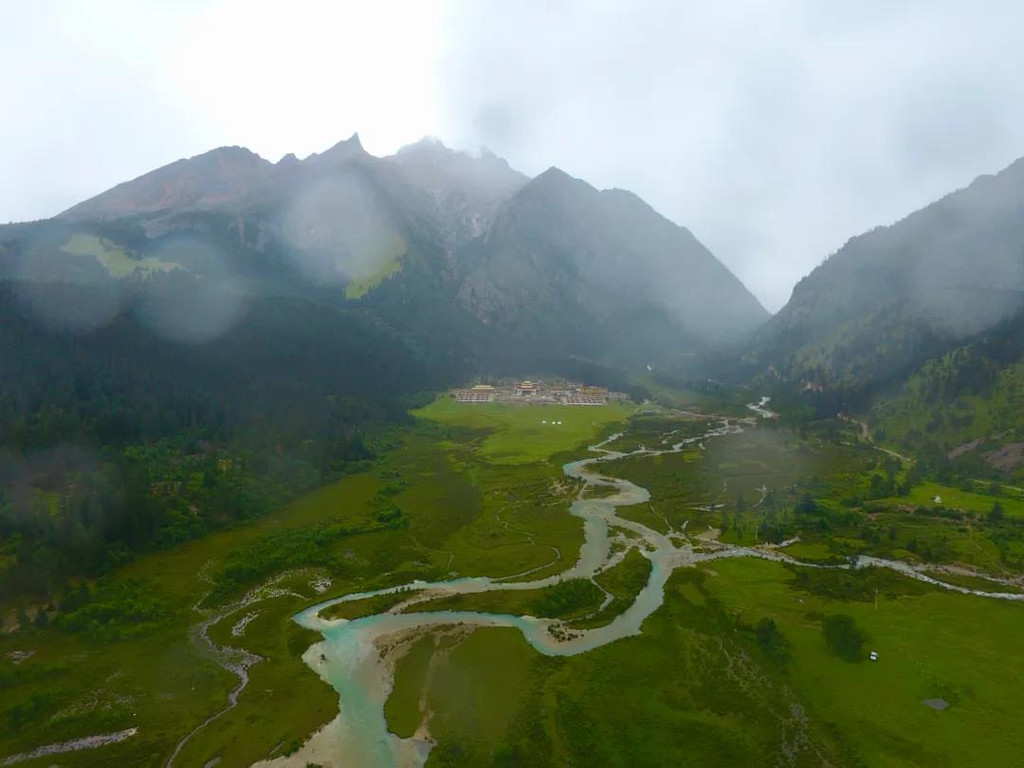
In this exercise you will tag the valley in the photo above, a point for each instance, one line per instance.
(667, 411)
(415, 460)
(687, 534)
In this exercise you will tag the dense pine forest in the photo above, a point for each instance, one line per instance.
(118, 442)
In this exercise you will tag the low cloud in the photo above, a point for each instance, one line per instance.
(774, 131)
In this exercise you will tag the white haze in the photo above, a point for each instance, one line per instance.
(193, 311)
(337, 231)
(773, 130)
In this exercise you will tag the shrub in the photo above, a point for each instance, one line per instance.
(844, 637)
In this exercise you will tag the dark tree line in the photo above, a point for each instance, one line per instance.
(117, 441)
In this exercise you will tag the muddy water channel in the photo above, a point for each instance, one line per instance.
(357, 657)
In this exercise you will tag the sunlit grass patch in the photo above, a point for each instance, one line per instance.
(116, 260)
(930, 643)
(803, 550)
(517, 434)
(924, 495)
(389, 263)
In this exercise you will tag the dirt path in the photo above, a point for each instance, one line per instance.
(865, 434)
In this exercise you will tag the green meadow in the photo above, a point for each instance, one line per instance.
(711, 680)
(700, 687)
(518, 434)
(116, 260)
(924, 495)
(444, 502)
(734, 666)
(930, 644)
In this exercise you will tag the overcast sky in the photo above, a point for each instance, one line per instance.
(773, 130)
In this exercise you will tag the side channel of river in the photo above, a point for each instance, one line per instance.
(353, 656)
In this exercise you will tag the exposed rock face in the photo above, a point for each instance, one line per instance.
(461, 192)
(218, 178)
(1007, 458)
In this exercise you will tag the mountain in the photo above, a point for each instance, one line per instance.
(919, 326)
(897, 295)
(449, 250)
(585, 269)
(461, 192)
(213, 179)
(193, 347)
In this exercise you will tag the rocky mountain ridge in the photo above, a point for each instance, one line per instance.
(530, 267)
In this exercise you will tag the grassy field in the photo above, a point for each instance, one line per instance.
(809, 551)
(160, 682)
(685, 692)
(741, 482)
(478, 490)
(623, 581)
(460, 512)
(402, 708)
(965, 650)
(924, 495)
(517, 434)
(116, 260)
(696, 687)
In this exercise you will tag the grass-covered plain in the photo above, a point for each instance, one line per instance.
(701, 686)
(734, 666)
(79, 684)
(930, 643)
(436, 505)
(750, 670)
(518, 434)
(688, 691)
(924, 495)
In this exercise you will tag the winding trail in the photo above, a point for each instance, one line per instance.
(865, 434)
(357, 657)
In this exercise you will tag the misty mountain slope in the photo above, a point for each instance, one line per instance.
(460, 193)
(213, 179)
(573, 266)
(337, 216)
(896, 295)
(460, 255)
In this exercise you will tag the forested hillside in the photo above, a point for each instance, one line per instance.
(120, 440)
(964, 406)
(896, 296)
(195, 346)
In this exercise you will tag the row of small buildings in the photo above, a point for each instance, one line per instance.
(538, 393)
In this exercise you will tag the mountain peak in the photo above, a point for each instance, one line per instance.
(426, 144)
(231, 160)
(557, 182)
(232, 151)
(219, 176)
(554, 172)
(342, 152)
(432, 151)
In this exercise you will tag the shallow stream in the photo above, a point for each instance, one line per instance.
(354, 657)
